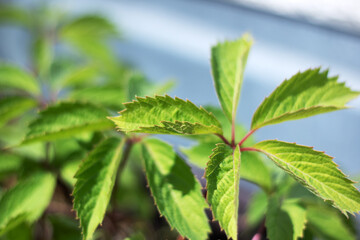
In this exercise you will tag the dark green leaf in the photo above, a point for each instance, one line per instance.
(285, 221)
(328, 224)
(176, 191)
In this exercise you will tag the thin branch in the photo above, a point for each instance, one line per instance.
(223, 139)
(233, 133)
(250, 149)
(247, 136)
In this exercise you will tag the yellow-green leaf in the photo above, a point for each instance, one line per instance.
(228, 61)
(176, 191)
(316, 171)
(66, 119)
(26, 201)
(14, 77)
(166, 115)
(303, 95)
(223, 179)
(95, 181)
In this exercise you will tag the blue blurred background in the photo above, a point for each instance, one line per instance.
(172, 39)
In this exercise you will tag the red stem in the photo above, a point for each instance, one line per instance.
(247, 136)
(223, 139)
(233, 133)
(250, 149)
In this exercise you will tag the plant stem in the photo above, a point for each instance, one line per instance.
(223, 139)
(233, 133)
(260, 232)
(250, 149)
(247, 136)
(124, 159)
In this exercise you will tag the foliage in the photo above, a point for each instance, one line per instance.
(307, 93)
(71, 151)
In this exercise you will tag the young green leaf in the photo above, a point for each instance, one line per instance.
(89, 26)
(328, 224)
(14, 106)
(165, 115)
(285, 221)
(65, 74)
(316, 171)
(303, 95)
(228, 60)
(26, 201)
(9, 163)
(43, 55)
(95, 181)
(223, 179)
(254, 170)
(176, 191)
(107, 96)
(88, 34)
(14, 77)
(11, 14)
(256, 210)
(66, 119)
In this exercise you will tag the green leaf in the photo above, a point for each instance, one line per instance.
(176, 191)
(43, 56)
(223, 179)
(64, 228)
(199, 154)
(285, 221)
(14, 106)
(165, 115)
(328, 224)
(14, 77)
(21, 232)
(305, 94)
(139, 85)
(95, 181)
(257, 208)
(89, 34)
(66, 119)
(316, 171)
(9, 163)
(11, 14)
(228, 60)
(68, 170)
(89, 27)
(65, 74)
(254, 170)
(23, 203)
(107, 96)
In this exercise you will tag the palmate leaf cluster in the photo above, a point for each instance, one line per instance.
(67, 101)
(307, 93)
